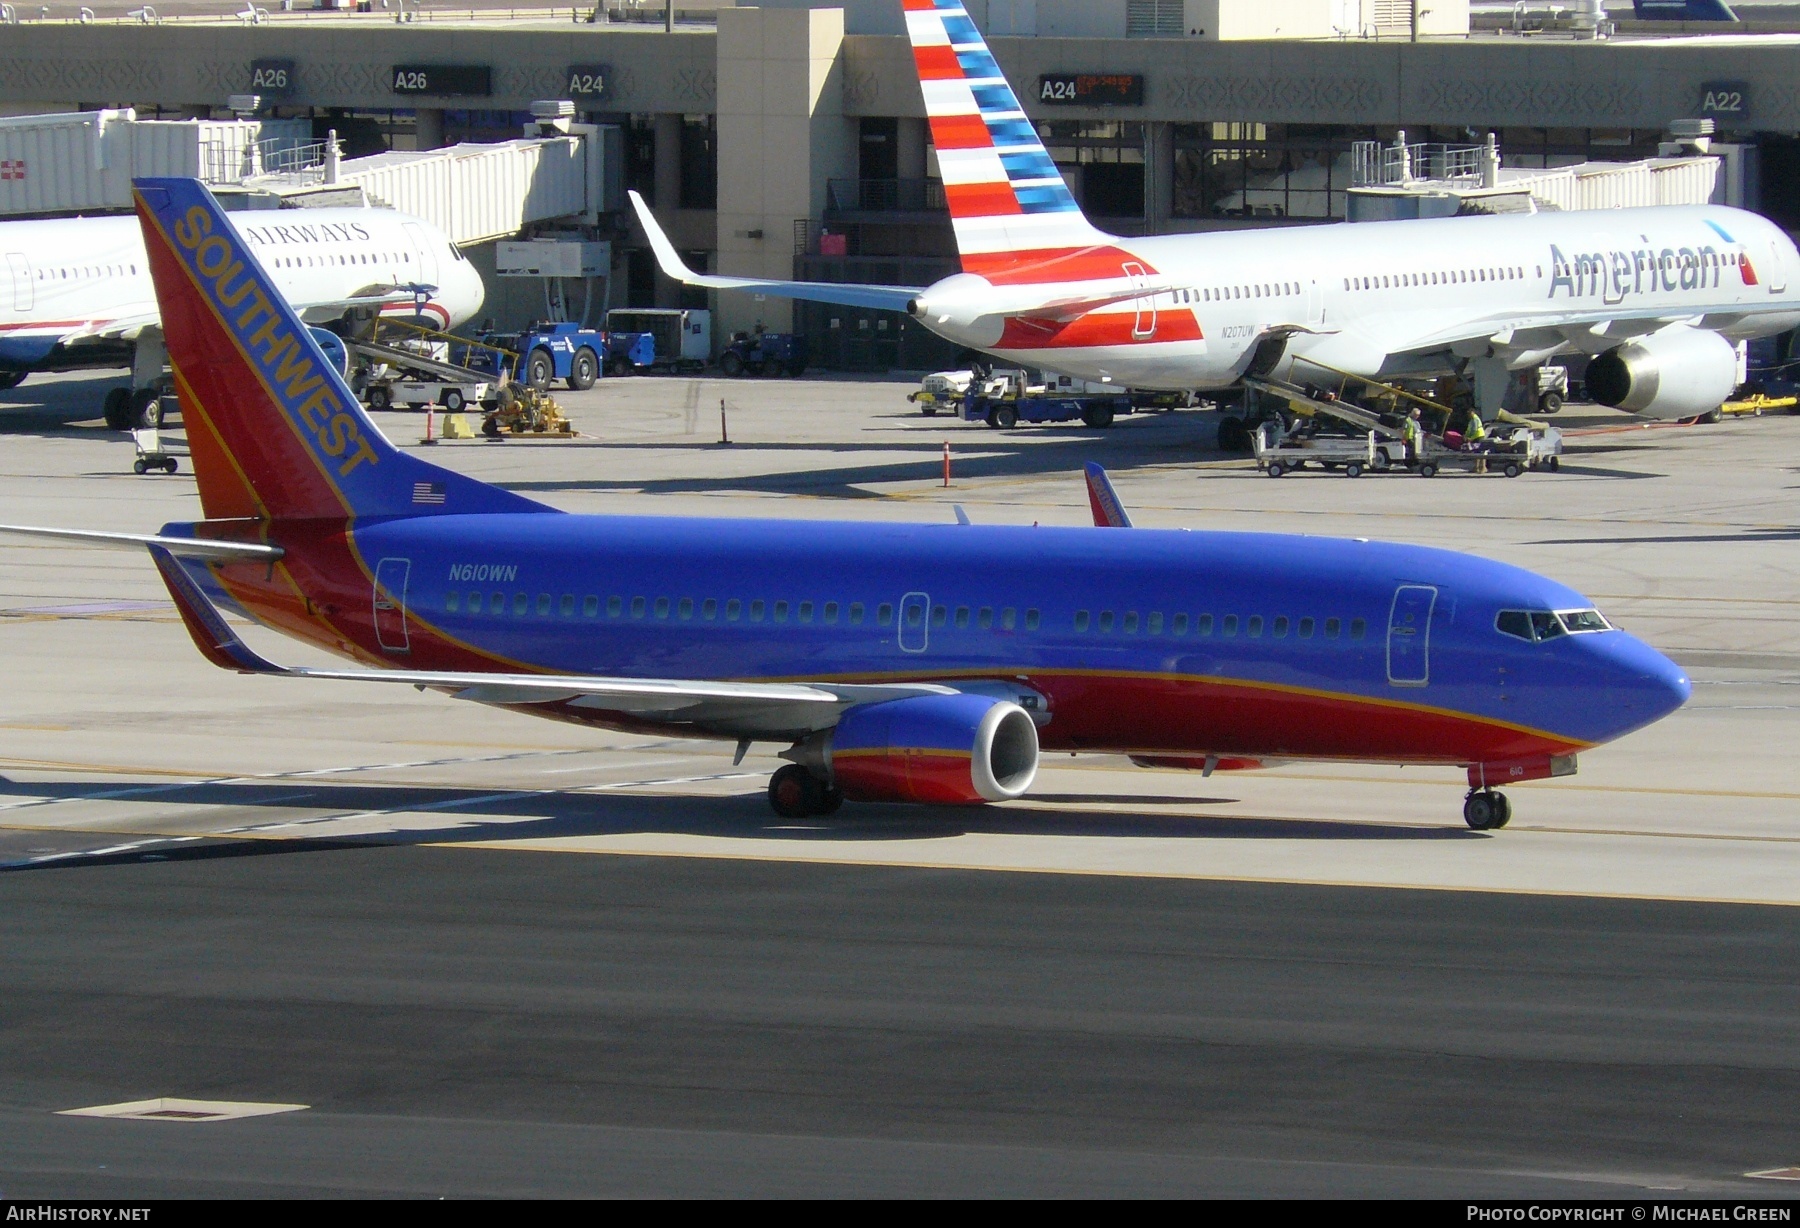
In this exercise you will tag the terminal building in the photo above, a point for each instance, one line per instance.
(789, 139)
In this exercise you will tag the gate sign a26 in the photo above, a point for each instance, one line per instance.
(272, 78)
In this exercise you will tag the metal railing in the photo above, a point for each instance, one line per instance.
(1375, 165)
(225, 161)
(884, 195)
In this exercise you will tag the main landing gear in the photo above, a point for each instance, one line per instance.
(1486, 809)
(796, 793)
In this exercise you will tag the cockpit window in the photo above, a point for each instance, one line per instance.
(1540, 625)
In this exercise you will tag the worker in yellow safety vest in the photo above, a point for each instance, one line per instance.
(1411, 432)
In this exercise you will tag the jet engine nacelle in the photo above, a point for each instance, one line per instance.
(1677, 373)
(957, 749)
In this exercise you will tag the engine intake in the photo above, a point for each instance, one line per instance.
(956, 749)
(1677, 373)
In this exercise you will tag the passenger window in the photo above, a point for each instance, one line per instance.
(1081, 620)
(1106, 621)
(732, 609)
(637, 607)
(1031, 620)
(590, 607)
(830, 611)
(1358, 628)
(856, 613)
(614, 606)
(1280, 628)
(1131, 622)
(781, 609)
(1306, 628)
(709, 609)
(1009, 618)
(662, 607)
(567, 605)
(1255, 626)
(915, 615)
(543, 604)
(1332, 626)
(756, 611)
(940, 615)
(685, 609)
(1154, 627)
(884, 614)
(1516, 623)
(984, 617)
(1178, 625)
(521, 604)
(1229, 626)
(1205, 625)
(453, 601)
(496, 603)
(805, 611)
(1544, 625)
(962, 616)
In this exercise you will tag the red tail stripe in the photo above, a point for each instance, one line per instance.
(918, 6)
(960, 132)
(937, 64)
(1094, 329)
(981, 199)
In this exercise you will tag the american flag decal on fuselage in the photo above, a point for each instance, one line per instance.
(428, 492)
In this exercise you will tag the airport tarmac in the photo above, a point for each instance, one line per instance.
(512, 956)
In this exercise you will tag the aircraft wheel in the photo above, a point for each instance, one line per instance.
(1006, 417)
(1502, 812)
(12, 379)
(146, 407)
(1512, 469)
(830, 800)
(1234, 436)
(795, 793)
(1428, 470)
(584, 369)
(1353, 470)
(1276, 469)
(540, 369)
(1485, 810)
(116, 409)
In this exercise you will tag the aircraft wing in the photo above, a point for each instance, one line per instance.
(887, 298)
(127, 328)
(733, 709)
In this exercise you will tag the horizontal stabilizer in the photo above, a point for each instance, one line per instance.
(886, 298)
(187, 547)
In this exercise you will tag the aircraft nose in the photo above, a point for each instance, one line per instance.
(1644, 685)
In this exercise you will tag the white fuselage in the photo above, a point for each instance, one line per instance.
(70, 289)
(1389, 298)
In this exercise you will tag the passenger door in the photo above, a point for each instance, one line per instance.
(1143, 324)
(1409, 635)
(427, 254)
(915, 622)
(21, 281)
(390, 605)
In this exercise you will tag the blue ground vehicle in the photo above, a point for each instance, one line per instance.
(765, 354)
(629, 353)
(1004, 400)
(545, 352)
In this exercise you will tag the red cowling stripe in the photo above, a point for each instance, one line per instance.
(981, 199)
(1749, 273)
(1096, 328)
(960, 132)
(937, 64)
(1051, 264)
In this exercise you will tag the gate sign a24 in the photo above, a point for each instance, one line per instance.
(589, 82)
(1091, 89)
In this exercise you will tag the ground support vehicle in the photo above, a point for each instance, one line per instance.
(520, 409)
(1005, 399)
(1757, 404)
(682, 335)
(629, 353)
(1508, 453)
(773, 354)
(546, 352)
(405, 364)
(150, 452)
(1278, 454)
(452, 395)
(942, 390)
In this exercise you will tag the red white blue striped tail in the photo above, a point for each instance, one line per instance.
(1008, 202)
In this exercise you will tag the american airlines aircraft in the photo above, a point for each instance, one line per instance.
(1658, 297)
(892, 662)
(75, 293)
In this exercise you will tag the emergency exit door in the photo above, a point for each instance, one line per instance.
(390, 604)
(1409, 635)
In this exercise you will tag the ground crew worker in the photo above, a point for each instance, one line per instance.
(1411, 433)
(1473, 436)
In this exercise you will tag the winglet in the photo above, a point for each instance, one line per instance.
(1109, 512)
(216, 641)
(666, 255)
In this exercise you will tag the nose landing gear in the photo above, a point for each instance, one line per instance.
(1486, 809)
(796, 793)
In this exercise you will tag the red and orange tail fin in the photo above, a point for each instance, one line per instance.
(275, 431)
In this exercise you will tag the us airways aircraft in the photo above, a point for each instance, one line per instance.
(1658, 296)
(75, 294)
(895, 662)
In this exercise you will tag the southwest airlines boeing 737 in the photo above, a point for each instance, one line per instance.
(75, 293)
(1658, 297)
(894, 662)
